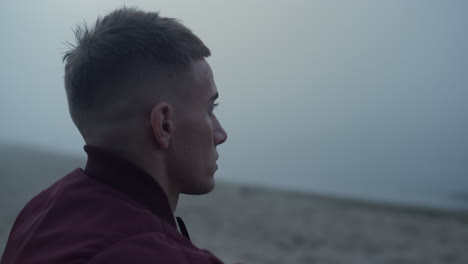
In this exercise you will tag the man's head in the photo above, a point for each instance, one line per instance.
(138, 84)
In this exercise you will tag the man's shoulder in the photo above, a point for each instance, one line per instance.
(78, 194)
(98, 205)
(89, 214)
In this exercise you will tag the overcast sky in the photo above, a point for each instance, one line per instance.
(358, 97)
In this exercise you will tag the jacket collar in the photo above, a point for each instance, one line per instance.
(129, 179)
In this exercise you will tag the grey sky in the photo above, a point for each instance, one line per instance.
(352, 97)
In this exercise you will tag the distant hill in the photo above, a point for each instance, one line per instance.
(24, 172)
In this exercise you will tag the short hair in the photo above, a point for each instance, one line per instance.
(110, 49)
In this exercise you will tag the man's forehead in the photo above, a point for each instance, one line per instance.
(203, 78)
(201, 69)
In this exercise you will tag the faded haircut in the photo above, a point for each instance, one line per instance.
(115, 46)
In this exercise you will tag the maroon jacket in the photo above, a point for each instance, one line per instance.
(112, 212)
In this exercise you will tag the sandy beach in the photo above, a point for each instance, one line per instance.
(258, 225)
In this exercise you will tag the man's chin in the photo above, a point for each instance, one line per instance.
(200, 189)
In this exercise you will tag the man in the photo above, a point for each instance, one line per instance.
(142, 95)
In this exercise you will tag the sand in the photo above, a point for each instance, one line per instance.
(257, 225)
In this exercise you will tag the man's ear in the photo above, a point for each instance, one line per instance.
(162, 124)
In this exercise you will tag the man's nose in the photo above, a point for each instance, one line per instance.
(220, 135)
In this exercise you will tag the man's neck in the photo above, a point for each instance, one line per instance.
(158, 171)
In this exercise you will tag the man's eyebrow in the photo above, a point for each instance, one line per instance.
(214, 97)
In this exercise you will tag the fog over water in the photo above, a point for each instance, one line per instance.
(364, 99)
